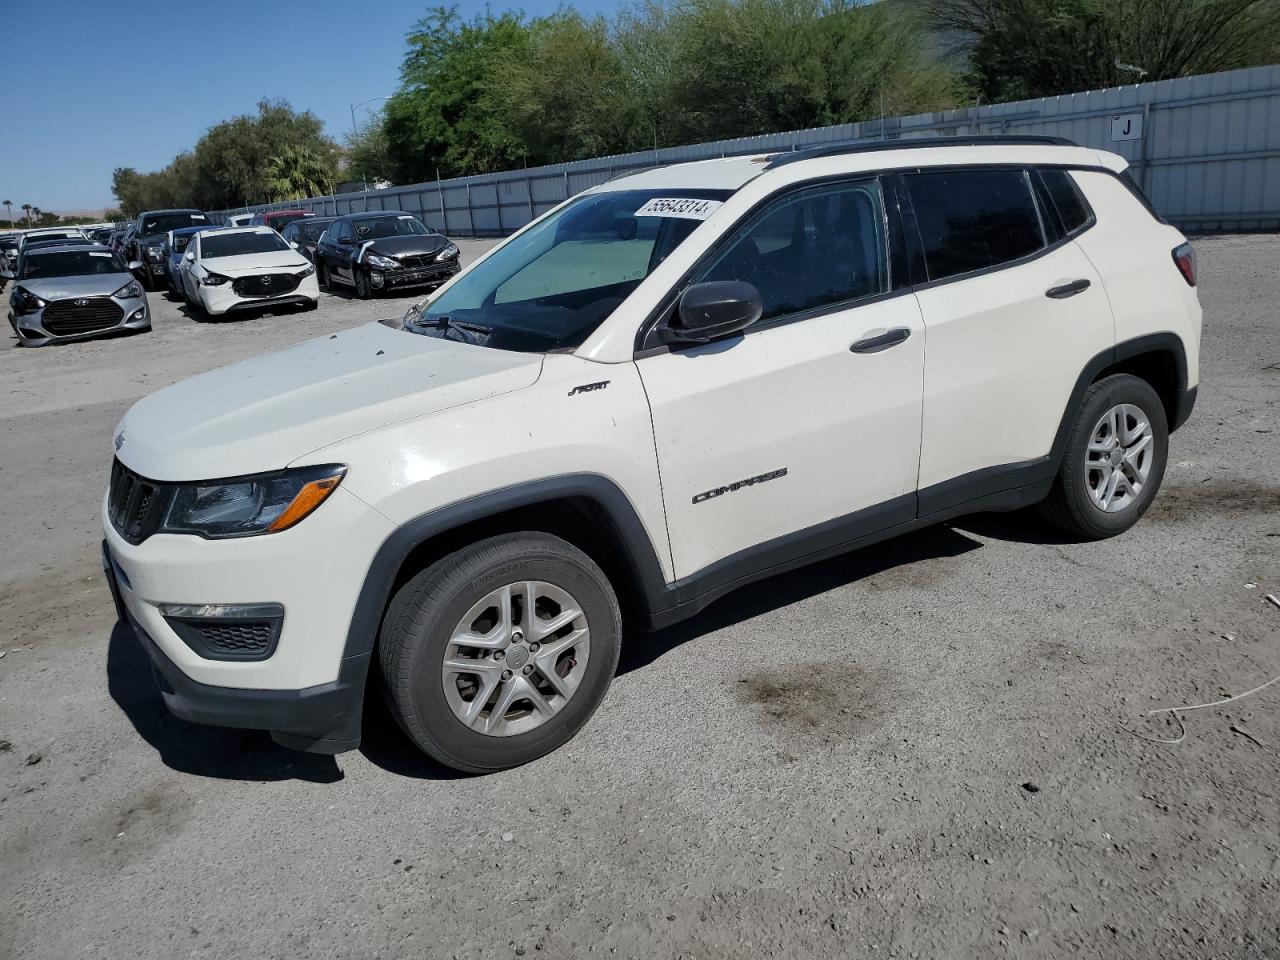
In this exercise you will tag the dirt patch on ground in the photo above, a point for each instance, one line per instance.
(821, 701)
(1215, 497)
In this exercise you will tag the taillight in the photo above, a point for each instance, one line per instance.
(1185, 257)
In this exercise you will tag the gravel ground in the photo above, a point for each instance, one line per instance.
(926, 749)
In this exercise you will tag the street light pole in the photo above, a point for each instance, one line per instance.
(355, 132)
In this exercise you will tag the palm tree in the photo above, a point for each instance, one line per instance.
(26, 208)
(37, 213)
(296, 173)
(8, 205)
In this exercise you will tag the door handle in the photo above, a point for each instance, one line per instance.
(881, 341)
(1062, 291)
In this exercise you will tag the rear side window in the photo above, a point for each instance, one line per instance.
(1072, 209)
(974, 219)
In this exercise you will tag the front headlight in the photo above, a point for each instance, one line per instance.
(306, 271)
(265, 503)
(155, 253)
(24, 301)
(130, 291)
(448, 253)
(214, 280)
(382, 263)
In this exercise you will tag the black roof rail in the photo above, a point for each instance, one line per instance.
(911, 143)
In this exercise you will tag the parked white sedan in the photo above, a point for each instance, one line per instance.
(245, 269)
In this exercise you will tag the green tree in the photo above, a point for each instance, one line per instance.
(368, 155)
(298, 172)
(1018, 49)
(26, 210)
(444, 117)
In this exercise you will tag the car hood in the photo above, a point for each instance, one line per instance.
(62, 288)
(264, 413)
(248, 264)
(413, 246)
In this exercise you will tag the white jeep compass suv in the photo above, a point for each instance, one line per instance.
(670, 386)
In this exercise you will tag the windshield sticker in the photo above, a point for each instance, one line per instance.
(93, 254)
(405, 218)
(682, 209)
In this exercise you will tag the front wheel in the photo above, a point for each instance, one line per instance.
(500, 652)
(1115, 459)
(364, 289)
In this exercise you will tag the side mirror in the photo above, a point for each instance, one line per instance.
(294, 244)
(135, 265)
(709, 311)
(189, 256)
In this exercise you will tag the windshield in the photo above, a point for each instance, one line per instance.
(60, 235)
(550, 287)
(237, 244)
(8, 243)
(62, 242)
(72, 263)
(164, 222)
(401, 225)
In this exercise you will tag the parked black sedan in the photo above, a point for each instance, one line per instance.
(304, 234)
(383, 250)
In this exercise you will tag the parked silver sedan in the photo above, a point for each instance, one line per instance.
(74, 293)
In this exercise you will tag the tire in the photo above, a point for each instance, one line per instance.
(425, 618)
(364, 289)
(1075, 503)
(310, 305)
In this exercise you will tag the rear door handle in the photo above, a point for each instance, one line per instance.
(1065, 290)
(881, 341)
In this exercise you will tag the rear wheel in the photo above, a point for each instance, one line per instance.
(500, 652)
(1114, 461)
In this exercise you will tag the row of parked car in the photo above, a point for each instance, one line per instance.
(63, 277)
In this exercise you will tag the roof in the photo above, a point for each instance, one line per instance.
(731, 173)
(65, 247)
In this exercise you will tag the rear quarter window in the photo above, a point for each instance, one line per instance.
(1073, 211)
(972, 220)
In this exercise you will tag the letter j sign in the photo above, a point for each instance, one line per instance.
(1127, 126)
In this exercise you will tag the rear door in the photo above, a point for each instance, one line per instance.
(784, 428)
(1013, 310)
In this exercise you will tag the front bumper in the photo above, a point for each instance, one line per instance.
(413, 276)
(223, 299)
(135, 314)
(319, 719)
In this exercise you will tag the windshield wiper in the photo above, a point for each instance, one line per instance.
(468, 331)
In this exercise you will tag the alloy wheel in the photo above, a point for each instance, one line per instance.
(516, 658)
(1119, 457)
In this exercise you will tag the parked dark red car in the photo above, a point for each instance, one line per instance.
(277, 220)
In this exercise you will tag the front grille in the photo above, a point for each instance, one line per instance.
(83, 315)
(416, 263)
(266, 285)
(135, 505)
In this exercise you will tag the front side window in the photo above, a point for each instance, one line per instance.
(814, 248)
(238, 244)
(974, 219)
(551, 286)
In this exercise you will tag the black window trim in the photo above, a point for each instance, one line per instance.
(1090, 220)
(910, 276)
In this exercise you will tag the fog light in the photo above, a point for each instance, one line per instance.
(376, 278)
(221, 611)
(139, 314)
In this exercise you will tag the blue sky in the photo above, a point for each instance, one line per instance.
(131, 84)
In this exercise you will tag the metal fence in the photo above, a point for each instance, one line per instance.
(1206, 149)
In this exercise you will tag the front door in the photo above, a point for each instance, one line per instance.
(807, 426)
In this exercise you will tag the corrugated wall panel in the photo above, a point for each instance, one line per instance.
(1211, 148)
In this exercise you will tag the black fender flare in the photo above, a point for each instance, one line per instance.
(629, 533)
